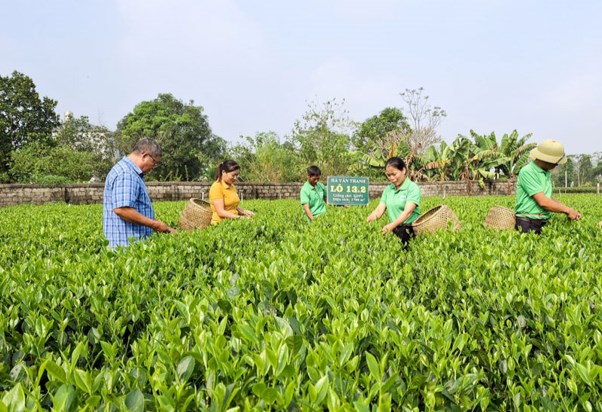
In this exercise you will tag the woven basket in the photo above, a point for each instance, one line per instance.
(439, 217)
(196, 215)
(500, 217)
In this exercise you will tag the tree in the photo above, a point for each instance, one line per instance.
(438, 161)
(264, 159)
(566, 174)
(80, 135)
(379, 138)
(322, 137)
(24, 117)
(505, 158)
(372, 131)
(43, 164)
(182, 130)
(597, 172)
(423, 120)
(78, 152)
(585, 173)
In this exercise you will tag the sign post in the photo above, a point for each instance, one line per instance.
(347, 190)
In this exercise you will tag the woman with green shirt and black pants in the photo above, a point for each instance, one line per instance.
(401, 201)
(534, 203)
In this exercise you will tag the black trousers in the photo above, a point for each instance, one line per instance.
(405, 233)
(525, 225)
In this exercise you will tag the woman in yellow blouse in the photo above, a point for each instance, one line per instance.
(223, 197)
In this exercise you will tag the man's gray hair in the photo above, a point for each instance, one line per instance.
(148, 146)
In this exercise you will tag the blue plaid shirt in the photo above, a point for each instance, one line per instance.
(125, 187)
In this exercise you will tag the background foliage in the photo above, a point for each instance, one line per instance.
(37, 148)
(180, 128)
(24, 117)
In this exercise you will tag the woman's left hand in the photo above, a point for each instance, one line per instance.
(387, 229)
(247, 213)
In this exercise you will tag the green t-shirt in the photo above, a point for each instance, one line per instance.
(532, 179)
(396, 199)
(314, 196)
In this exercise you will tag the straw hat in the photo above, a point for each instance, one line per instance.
(550, 151)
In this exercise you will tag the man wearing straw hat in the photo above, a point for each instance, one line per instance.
(534, 203)
(127, 209)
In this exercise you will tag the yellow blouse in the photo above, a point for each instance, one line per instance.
(221, 190)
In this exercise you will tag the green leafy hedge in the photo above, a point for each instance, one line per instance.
(273, 313)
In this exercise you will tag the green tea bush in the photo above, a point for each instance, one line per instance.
(273, 313)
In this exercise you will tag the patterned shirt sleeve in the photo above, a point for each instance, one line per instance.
(125, 191)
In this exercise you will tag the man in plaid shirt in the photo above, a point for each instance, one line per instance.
(128, 213)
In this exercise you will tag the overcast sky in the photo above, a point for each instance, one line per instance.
(493, 65)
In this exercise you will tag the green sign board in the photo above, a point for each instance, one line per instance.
(347, 190)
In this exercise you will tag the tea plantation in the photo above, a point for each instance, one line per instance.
(273, 313)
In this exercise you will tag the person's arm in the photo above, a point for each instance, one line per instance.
(131, 215)
(245, 212)
(552, 205)
(403, 216)
(222, 212)
(308, 211)
(377, 212)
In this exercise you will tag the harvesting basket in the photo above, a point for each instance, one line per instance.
(500, 217)
(439, 217)
(196, 215)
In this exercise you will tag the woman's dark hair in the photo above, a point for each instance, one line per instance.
(227, 166)
(396, 162)
(314, 171)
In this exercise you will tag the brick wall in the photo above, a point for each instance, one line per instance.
(93, 192)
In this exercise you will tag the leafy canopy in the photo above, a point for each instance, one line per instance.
(24, 116)
(182, 130)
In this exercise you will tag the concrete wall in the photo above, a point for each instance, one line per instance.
(93, 192)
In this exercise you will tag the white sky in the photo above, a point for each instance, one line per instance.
(493, 65)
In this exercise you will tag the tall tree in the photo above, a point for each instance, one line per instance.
(373, 130)
(423, 120)
(378, 138)
(78, 134)
(182, 130)
(24, 116)
(566, 173)
(586, 168)
(322, 137)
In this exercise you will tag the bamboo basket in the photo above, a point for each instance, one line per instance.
(196, 215)
(500, 217)
(439, 217)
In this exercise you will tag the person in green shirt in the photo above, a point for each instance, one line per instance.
(313, 194)
(534, 203)
(401, 201)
